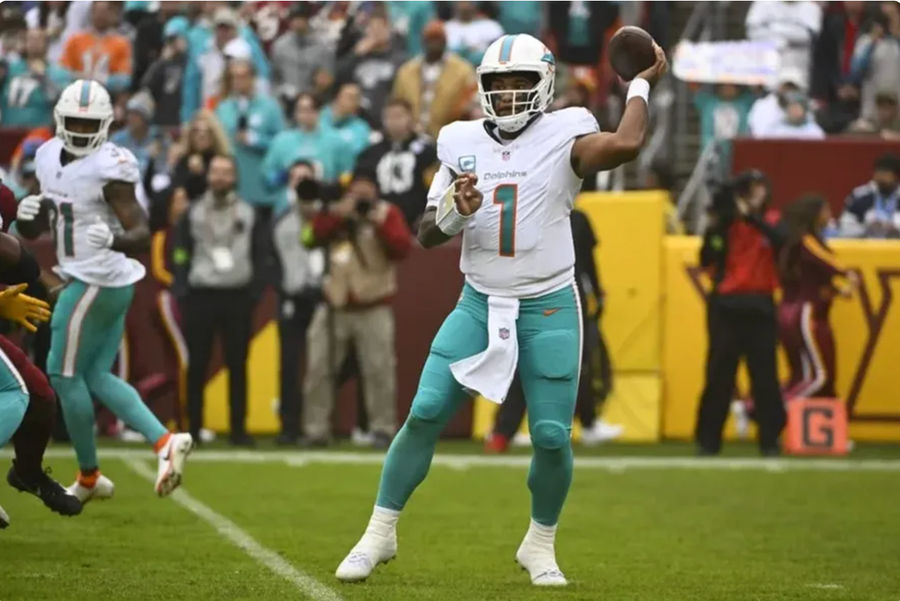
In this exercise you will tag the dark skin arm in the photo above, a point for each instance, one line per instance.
(468, 200)
(136, 237)
(602, 151)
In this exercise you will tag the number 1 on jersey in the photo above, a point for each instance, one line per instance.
(507, 196)
(68, 243)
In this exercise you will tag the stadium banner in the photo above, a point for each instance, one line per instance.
(866, 328)
(629, 227)
(742, 62)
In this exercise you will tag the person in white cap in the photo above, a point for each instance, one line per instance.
(769, 111)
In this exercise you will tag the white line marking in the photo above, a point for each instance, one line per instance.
(305, 583)
(458, 461)
(825, 586)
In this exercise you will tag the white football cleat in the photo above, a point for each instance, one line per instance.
(4, 519)
(171, 463)
(601, 432)
(537, 555)
(85, 490)
(378, 545)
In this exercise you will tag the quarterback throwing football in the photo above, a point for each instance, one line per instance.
(507, 183)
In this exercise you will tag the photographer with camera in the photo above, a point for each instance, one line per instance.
(299, 282)
(739, 252)
(364, 237)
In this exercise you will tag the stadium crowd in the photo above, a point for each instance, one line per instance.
(273, 136)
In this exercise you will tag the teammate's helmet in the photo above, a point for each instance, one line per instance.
(515, 54)
(88, 100)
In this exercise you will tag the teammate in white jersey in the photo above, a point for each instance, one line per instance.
(507, 183)
(88, 192)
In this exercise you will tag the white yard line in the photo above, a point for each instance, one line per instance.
(613, 464)
(306, 584)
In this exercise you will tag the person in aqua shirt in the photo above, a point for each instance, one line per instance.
(251, 121)
(342, 115)
(32, 85)
(321, 147)
(723, 114)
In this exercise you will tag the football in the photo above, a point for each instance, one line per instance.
(631, 51)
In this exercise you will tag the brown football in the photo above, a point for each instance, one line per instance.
(631, 51)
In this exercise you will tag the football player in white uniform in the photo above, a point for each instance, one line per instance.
(88, 192)
(519, 307)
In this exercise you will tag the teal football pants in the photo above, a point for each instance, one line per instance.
(549, 337)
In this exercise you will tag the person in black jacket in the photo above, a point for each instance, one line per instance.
(403, 161)
(739, 252)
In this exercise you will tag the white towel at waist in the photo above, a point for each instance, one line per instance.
(491, 371)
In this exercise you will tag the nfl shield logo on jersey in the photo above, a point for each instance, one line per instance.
(467, 163)
(504, 333)
(505, 155)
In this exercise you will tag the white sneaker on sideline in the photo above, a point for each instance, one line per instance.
(601, 432)
(171, 463)
(741, 419)
(103, 488)
(537, 555)
(207, 435)
(358, 438)
(521, 439)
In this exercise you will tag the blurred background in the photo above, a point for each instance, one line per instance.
(319, 102)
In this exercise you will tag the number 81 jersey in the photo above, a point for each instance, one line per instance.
(519, 242)
(76, 191)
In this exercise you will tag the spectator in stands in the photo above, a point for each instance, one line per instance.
(360, 281)
(409, 19)
(24, 177)
(322, 147)
(723, 114)
(218, 245)
(876, 58)
(470, 32)
(768, 111)
(577, 30)
(210, 45)
(438, 85)
(794, 25)
(203, 139)
(342, 115)
(887, 118)
(165, 77)
(32, 85)
(832, 88)
(739, 252)
(797, 122)
(150, 38)
(58, 22)
(403, 162)
(300, 62)
(100, 53)
(139, 135)
(372, 64)
(522, 17)
(299, 290)
(251, 120)
(12, 32)
(873, 209)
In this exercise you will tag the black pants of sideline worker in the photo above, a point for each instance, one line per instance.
(227, 313)
(740, 327)
(294, 314)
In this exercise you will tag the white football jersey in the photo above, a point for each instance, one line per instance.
(76, 190)
(519, 242)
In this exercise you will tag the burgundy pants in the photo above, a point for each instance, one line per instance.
(809, 343)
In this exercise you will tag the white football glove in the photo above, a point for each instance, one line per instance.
(99, 235)
(29, 207)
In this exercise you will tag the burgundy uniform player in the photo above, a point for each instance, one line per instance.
(808, 271)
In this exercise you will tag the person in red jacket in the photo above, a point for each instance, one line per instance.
(365, 236)
(808, 271)
(739, 252)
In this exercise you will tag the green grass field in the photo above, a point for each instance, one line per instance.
(661, 526)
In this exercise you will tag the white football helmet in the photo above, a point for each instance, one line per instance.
(512, 54)
(83, 99)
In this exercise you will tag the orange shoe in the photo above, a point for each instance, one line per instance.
(495, 444)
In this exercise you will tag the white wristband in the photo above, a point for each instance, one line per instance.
(453, 222)
(639, 87)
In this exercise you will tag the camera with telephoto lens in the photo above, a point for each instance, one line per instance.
(311, 190)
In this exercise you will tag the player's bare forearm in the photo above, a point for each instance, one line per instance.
(136, 237)
(607, 150)
(430, 235)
